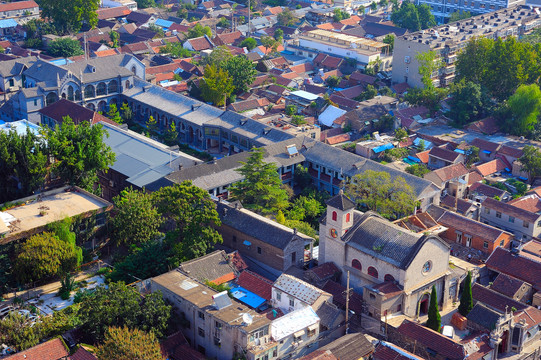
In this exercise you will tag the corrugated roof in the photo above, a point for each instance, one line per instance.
(298, 289)
(293, 322)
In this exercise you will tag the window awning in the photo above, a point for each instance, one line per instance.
(298, 334)
(313, 327)
(247, 243)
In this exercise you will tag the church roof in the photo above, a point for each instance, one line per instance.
(341, 202)
(384, 240)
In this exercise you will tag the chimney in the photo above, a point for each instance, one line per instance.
(294, 231)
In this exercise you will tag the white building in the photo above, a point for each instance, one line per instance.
(294, 332)
(130, 4)
(290, 294)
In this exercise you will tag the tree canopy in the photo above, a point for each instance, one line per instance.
(69, 15)
(176, 50)
(466, 299)
(459, 15)
(524, 107)
(261, 188)
(242, 72)
(249, 43)
(65, 47)
(120, 305)
(79, 152)
(287, 18)
(376, 191)
(127, 344)
(413, 17)
(531, 160)
(198, 30)
(434, 317)
(467, 102)
(216, 85)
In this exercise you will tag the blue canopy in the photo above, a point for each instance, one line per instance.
(459, 151)
(163, 23)
(413, 158)
(247, 297)
(383, 148)
(487, 152)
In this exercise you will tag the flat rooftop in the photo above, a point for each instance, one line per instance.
(55, 205)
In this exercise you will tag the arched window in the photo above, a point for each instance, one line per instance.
(128, 84)
(101, 89)
(102, 106)
(91, 107)
(51, 98)
(78, 95)
(334, 216)
(373, 272)
(70, 93)
(113, 87)
(356, 264)
(388, 277)
(348, 217)
(134, 70)
(89, 91)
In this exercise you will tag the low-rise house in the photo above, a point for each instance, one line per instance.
(348, 347)
(514, 288)
(199, 44)
(372, 149)
(453, 178)
(54, 349)
(470, 233)
(492, 167)
(387, 351)
(291, 294)
(322, 273)
(38, 211)
(464, 207)
(257, 238)
(214, 267)
(478, 192)
(521, 216)
(53, 115)
(23, 11)
(439, 157)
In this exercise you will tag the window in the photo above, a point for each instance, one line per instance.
(459, 237)
(201, 315)
(11, 83)
(334, 216)
(487, 210)
(501, 243)
(35, 102)
(525, 224)
(201, 332)
(258, 250)
(388, 277)
(278, 296)
(291, 302)
(101, 89)
(293, 257)
(112, 87)
(89, 91)
(372, 296)
(485, 244)
(217, 342)
(427, 267)
(311, 332)
(356, 264)
(498, 214)
(539, 223)
(201, 349)
(348, 217)
(373, 272)
(234, 239)
(511, 219)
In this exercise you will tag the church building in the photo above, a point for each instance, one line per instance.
(392, 267)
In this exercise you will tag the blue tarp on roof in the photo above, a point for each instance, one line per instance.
(247, 243)
(460, 151)
(507, 170)
(8, 23)
(413, 158)
(247, 297)
(164, 23)
(383, 148)
(428, 144)
(522, 178)
(487, 152)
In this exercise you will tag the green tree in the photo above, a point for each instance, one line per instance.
(143, 4)
(70, 15)
(15, 331)
(373, 6)
(429, 63)
(249, 43)
(280, 218)
(434, 317)
(400, 134)
(219, 56)
(242, 71)
(127, 112)
(332, 81)
(198, 30)
(389, 39)
(126, 344)
(121, 305)
(406, 16)
(426, 18)
(302, 177)
(62, 230)
(278, 34)
(339, 15)
(152, 259)
(269, 43)
(429, 97)
(193, 212)
(472, 61)
(361, 10)
(216, 85)
(43, 256)
(152, 126)
(65, 48)
(466, 299)
(472, 156)
(417, 169)
(459, 15)
(134, 204)
(79, 152)
(176, 50)
(524, 106)
(287, 18)
(171, 135)
(23, 164)
(291, 110)
(261, 188)
(374, 190)
(467, 102)
(114, 36)
(531, 161)
(114, 114)
(224, 23)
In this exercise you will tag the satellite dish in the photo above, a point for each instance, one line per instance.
(247, 318)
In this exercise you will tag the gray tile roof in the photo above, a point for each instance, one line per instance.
(257, 226)
(109, 67)
(15, 66)
(341, 202)
(329, 315)
(386, 241)
(482, 315)
(208, 267)
(141, 159)
(45, 72)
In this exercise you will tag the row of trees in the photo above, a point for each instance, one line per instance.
(78, 153)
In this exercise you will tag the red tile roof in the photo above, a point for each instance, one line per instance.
(406, 115)
(333, 140)
(237, 261)
(325, 270)
(77, 113)
(444, 346)
(256, 284)
(152, 70)
(275, 10)
(485, 145)
(474, 177)
(319, 355)
(343, 102)
(423, 156)
(386, 351)
(487, 126)
(510, 151)
(114, 12)
(509, 209)
(338, 292)
(532, 250)
(82, 354)
(445, 154)
(400, 88)
(351, 92)
(491, 167)
(224, 278)
(506, 285)
(451, 172)
(458, 222)
(227, 38)
(388, 288)
(530, 315)
(105, 53)
(520, 267)
(362, 78)
(200, 43)
(302, 68)
(19, 5)
(51, 350)
(530, 203)
(494, 299)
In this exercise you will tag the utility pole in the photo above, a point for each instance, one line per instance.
(249, 28)
(347, 306)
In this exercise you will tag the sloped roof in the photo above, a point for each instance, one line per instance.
(213, 267)
(51, 350)
(453, 220)
(451, 172)
(484, 316)
(486, 190)
(256, 283)
(350, 347)
(442, 153)
(388, 351)
(494, 299)
(341, 202)
(531, 202)
(77, 113)
(299, 289)
(338, 296)
(510, 209)
(201, 43)
(324, 271)
(523, 268)
(18, 5)
(485, 145)
(491, 167)
(507, 285)
(330, 114)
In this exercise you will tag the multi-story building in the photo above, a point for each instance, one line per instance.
(314, 42)
(447, 41)
(443, 9)
(20, 10)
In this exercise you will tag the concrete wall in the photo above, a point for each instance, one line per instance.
(488, 216)
(405, 65)
(477, 240)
